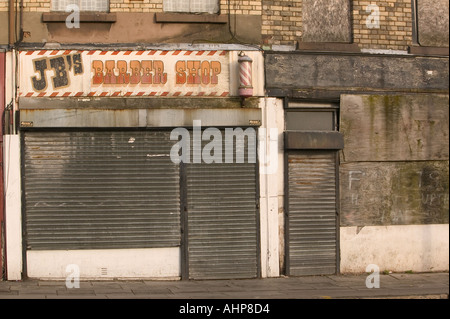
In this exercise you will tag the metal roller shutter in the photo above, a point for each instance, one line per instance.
(100, 190)
(222, 220)
(312, 223)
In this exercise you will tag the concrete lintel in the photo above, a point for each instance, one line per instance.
(95, 103)
(146, 46)
(132, 118)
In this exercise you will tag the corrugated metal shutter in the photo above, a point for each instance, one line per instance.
(312, 224)
(222, 219)
(99, 190)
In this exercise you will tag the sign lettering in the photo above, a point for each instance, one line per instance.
(60, 65)
(153, 72)
(146, 73)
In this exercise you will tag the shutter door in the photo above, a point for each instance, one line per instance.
(312, 223)
(99, 190)
(222, 220)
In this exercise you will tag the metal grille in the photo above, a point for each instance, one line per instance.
(98, 190)
(222, 218)
(312, 226)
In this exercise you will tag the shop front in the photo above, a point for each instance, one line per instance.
(131, 165)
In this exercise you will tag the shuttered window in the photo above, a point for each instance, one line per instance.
(121, 189)
(312, 213)
(312, 223)
(99, 190)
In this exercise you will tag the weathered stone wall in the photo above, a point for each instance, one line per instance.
(394, 116)
(394, 193)
(135, 22)
(395, 127)
(395, 164)
(301, 75)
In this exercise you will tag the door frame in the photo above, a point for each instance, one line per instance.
(334, 144)
(286, 207)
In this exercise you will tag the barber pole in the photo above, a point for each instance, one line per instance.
(245, 75)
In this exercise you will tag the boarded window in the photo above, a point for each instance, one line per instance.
(326, 21)
(310, 121)
(433, 22)
(311, 117)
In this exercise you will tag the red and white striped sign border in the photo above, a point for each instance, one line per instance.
(140, 53)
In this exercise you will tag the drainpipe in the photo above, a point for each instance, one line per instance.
(5, 118)
(12, 23)
(415, 22)
(21, 23)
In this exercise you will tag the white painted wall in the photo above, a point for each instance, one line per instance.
(420, 248)
(151, 263)
(13, 212)
(271, 168)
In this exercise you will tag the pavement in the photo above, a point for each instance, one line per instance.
(391, 286)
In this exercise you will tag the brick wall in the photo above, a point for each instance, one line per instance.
(3, 5)
(136, 5)
(29, 5)
(395, 31)
(237, 6)
(245, 7)
(36, 5)
(281, 21)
